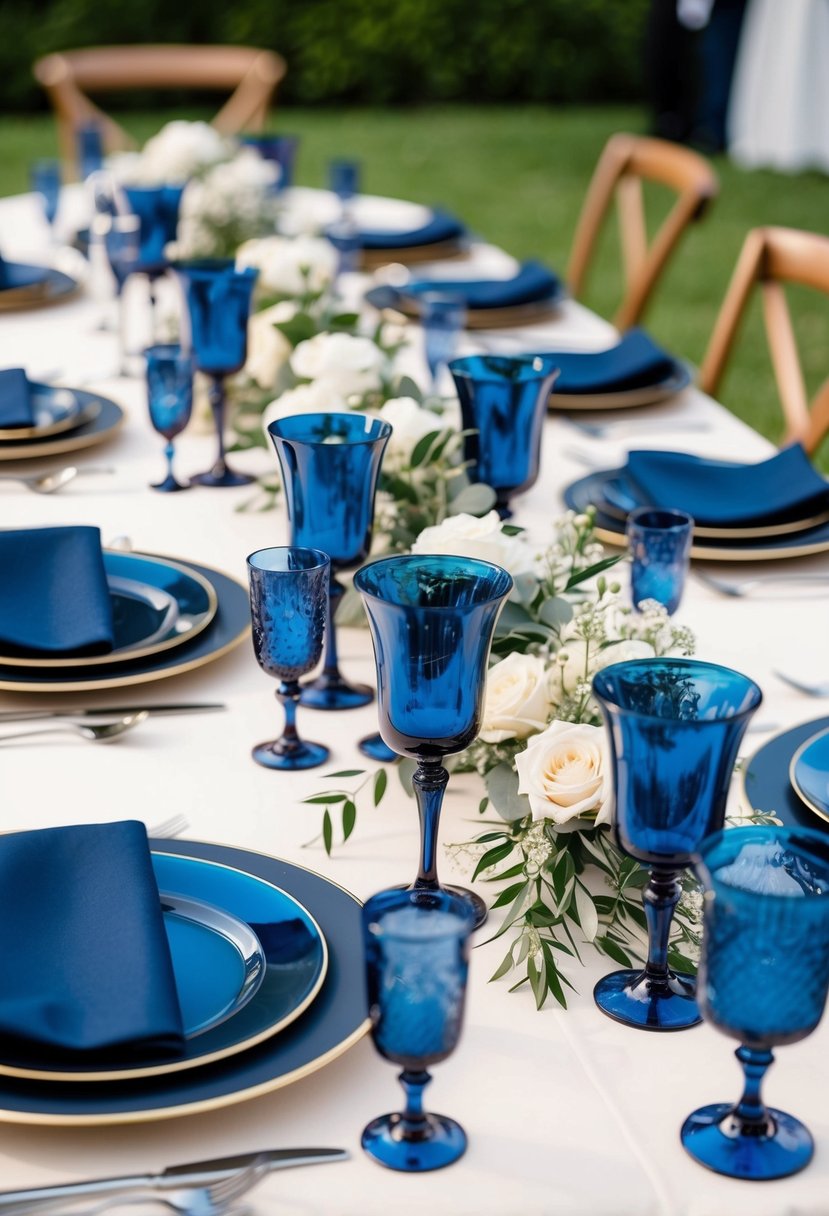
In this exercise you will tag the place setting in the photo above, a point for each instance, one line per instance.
(38, 420)
(24, 286)
(788, 776)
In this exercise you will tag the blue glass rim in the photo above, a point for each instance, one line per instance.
(660, 519)
(473, 566)
(317, 560)
(156, 191)
(439, 901)
(473, 367)
(815, 846)
(211, 268)
(376, 429)
(689, 667)
(168, 350)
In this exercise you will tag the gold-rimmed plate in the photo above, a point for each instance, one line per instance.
(55, 410)
(39, 287)
(413, 255)
(103, 421)
(653, 394)
(401, 308)
(809, 773)
(766, 777)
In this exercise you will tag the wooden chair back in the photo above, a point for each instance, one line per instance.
(249, 74)
(770, 258)
(626, 162)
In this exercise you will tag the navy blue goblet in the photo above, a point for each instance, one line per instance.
(46, 181)
(288, 593)
(442, 317)
(122, 241)
(764, 976)
(170, 400)
(503, 404)
(431, 620)
(89, 144)
(660, 550)
(218, 305)
(330, 464)
(674, 726)
(417, 959)
(157, 208)
(281, 150)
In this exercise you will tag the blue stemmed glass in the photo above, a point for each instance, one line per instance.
(503, 404)
(281, 150)
(122, 241)
(443, 318)
(431, 620)
(764, 975)
(417, 960)
(344, 178)
(674, 726)
(288, 592)
(157, 208)
(330, 464)
(170, 399)
(89, 143)
(218, 305)
(46, 181)
(660, 550)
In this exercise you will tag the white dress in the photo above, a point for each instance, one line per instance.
(778, 115)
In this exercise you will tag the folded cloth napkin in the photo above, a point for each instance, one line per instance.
(635, 362)
(533, 282)
(83, 950)
(720, 493)
(440, 227)
(54, 597)
(15, 398)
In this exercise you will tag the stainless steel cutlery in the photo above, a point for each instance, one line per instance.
(51, 482)
(93, 732)
(108, 712)
(742, 587)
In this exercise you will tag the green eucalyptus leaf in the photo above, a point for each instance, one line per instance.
(349, 818)
(380, 783)
(327, 832)
(474, 499)
(556, 612)
(350, 611)
(505, 967)
(407, 387)
(502, 788)
(513, 616)
(406, 769)
(346, 772)
(526, 587)
(492, 856)
(326, 799)
(613, 950)
(422, 448)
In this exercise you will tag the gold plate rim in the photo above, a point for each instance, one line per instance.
(130, 1074)
(29, 301)
(807, 802)
(490, 318)
(628, 399)
(449, 250)
(27, 451)
(87, 414)
(618, 540)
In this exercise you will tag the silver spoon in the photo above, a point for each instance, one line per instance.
(50, 483)
(103, 732)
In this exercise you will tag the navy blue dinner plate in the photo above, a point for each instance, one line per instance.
(102, 419)
(29, 286)
(766, 780)
(336, 1019)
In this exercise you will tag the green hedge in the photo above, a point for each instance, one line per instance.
(367, 51)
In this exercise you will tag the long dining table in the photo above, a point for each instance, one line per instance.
(567, 1112)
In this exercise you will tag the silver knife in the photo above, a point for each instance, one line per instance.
(110, 711)
(196, 1173)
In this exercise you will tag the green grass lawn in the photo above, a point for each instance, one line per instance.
(518, 176)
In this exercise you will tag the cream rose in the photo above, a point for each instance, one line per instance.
(469, 536)
(409, 423)
(347, 364)
(517, 701)
(578, 663)
(290, 266)
(268, 348)
(304, 399)
(565, 773)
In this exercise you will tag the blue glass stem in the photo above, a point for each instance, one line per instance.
(169, 451)
(750, 1115)
(429, 783)
(288, 697)
(414, 1122)
(660, 898)
(216, 394)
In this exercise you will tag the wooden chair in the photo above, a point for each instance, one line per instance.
(771, 257)
(625, 163)
(251, 74)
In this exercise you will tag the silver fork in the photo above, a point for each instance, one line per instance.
(168, 828)
(821, 689)
(50, 483)
(101, 732)
(743, 587)
(635, 426)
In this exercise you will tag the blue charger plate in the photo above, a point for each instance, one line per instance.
(102, 419)
(335, 1021)
(29, 286)
(766, 778)
(809, 774)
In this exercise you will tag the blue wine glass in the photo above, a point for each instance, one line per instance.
(344, 179)
(89, 144)
(218, 306)
(443, 317)
(46, 181)
(157, 208)
(660, 550)
(122, 241)
(674, 726)
(431, 620)
(417, 960)
(764, 975)
(330, 464)
(170, 399)
(503, 404)
(281, 150)
(288, 593)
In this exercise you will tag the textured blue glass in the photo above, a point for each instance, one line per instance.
(417, 960)
(46, 181)
(504, 402)
(288, 594)
(344, 178)
(157, 208)
(122, 242)
(170, 398)
(443, 318)
(764, 976)
(89, 143)
(674, 727)
(660, 550)
(281, 149)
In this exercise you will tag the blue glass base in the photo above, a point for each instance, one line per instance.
(297, 755)
(333, 692)
(374, 747)
(478, 905)
(717, 1139)
(441, 1143)
(221, 477)
(169, 485)
(632, 998)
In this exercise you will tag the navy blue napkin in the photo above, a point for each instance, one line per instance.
(635, 362)
(54, 597)
(15, 398)
(440, 227)
(83, 952)
(720, 494)
(533, 282)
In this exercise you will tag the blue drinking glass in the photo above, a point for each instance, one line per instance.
(443, 318)
(157, 208)
(503, 404)
(764, 975)
(431, 620)
(674, 727)
(417, 960)
(660, 550)
(281, 150)
(288, 593)
(330, 464)
(89, 144)
(46, 181)
(122, 242)
(344, 179)
(170, 399)
(218, 306)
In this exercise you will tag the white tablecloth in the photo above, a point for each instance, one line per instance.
(567, 1112)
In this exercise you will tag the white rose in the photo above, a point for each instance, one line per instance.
(469, 536)
(290, 267)
(582, 663)
(565, 771)
(348, 364)
(409, 423)
(304, 399)
(517, 701)
(268, 348)
(179, 150)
